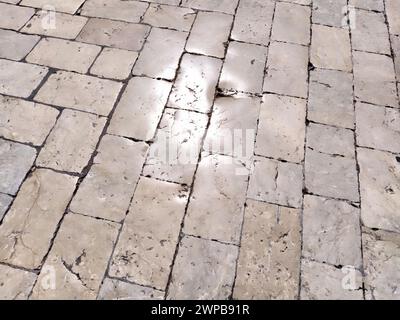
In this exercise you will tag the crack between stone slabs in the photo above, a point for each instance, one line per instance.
(124, 280)
(211, 239)
(34, 271)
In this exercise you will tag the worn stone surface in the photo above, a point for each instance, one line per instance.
(375, 5)
(281, 128)
(5, 202)
(330, 13)
(15, 161)
(13, 17)
(15, 46)
(20, 79)
(140, 108)
(227, 6)
(72, 141)
(108, 188)
(113, 289)
(79, 258)
(269, 261)
(393, 16)
(146, 246)
(161, 53)
(212, 263)
(396, 51)
(215, 209)
(276, 182)
(28, 228)
(380, 189)
(70, 6)
(173, 155)
(16, 113)
(90, 94)
(15, 284)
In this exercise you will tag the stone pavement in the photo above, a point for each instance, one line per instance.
(202, 149)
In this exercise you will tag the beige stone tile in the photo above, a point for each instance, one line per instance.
(374, 5)
(15, 46)
(115, 34)
(169, 17)
(380, 189)
(381, 265)
(114, 63)
(243, 68)
(70, 6)
(78, 258)
(215, 209)
(140, 108)
(65, 25)
(324, 282)
(171, 2)
(20, 79)
(15, 161)
(14, 17)
(276, 182)
(28, 228)
(72, 141)
(146, 246)
(194, 87)
(330, 13)
(174, 154)
(90, 94)
(16, 284)
(108, 188)
(213, 26)
(395, 40)
(253, 21)
(129, 11)
(393, 16)
(378, 127)
(17, 113)
(227, 6)
(291, 23)
(269, 261)
(213, 264)
(5, 202)
(287, 69)
(281, 128)
(233, 126)
(113, 289)
(331, 232)
(161, 53)
(374, 79)
(330, 48)
(64, 54)
(331, 98)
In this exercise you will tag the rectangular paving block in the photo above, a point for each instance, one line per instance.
(253, 21)
(113, 289)
(20, 79)
(78, 258)
(17, 113)
(108, 188)
(16, 284)
(291, 23)
(212, 262)
(129, 11)
(287, 70)
(171, 17)
(62, 26)
(227, 6)
(115, 34)
(64, 54)
(276, 182)
(281, 128)
(373, 5)
(233, 126)
(331, 98)
(146, 246)
(72, 141)
(380, 189)
(269, 260)
(331, 232)
(330, 13)
(15, 161)
(70, 6)
(15, 46)
(245, 62)
(28, 228)
(213, 26)
(14, 17)
(215, 209)
(58, 88)
(5, 201)
(174, 154)
(194, 87)
(393, 16)
(140, 108)
(161, 53)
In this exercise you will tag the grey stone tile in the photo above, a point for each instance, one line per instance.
(14, 17)
(16, 284)
(15, 46)
(113, 289)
